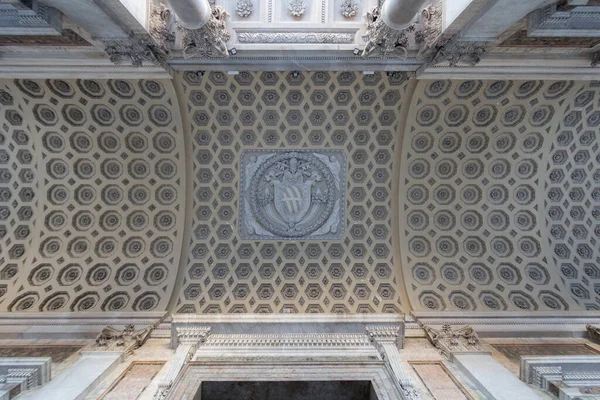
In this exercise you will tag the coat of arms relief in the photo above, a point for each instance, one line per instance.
(295, 194)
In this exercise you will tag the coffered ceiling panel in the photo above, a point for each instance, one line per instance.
(103, 163)
(473, 185)
(572, 198)
(250, 261)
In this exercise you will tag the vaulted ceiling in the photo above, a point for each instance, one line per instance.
(127, 195)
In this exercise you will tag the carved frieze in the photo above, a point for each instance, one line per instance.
(208, 41)
(295, 37)
(292, 194)
(383, 40)
(289, 340)
(449, 340)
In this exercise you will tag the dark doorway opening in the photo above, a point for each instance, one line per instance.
(292, 390)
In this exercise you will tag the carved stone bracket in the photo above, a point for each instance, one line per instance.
(387, 340)
(137, 50)
(189, 337)
(593, 332)
(209, 40)
(383, 40)
(595, 59)
(455, 51)
(126, 340)
(449, 340)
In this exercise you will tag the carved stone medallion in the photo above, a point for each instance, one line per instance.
(292, 194)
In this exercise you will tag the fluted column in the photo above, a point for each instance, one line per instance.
(387, 339)
(189, 339)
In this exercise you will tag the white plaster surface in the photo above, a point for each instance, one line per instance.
(495, 381)
(154, 350)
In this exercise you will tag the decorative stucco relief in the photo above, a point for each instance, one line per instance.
(292, 194)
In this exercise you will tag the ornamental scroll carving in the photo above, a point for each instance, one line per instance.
(430, 34)
(593, 332)
(455, 51)
(127, 339)
(137, 50)
(161, 20)
(449, 340)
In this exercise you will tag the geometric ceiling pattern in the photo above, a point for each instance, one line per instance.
(350, 112)
(473, 178)
(573, 196)
(104, 162)
(124, 195)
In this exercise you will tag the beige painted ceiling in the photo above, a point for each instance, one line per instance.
(459, 195)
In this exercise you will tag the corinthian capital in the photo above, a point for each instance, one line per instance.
(210, 39)
(383, 40)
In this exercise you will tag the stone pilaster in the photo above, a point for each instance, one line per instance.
(189, 337)
(387, 340)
